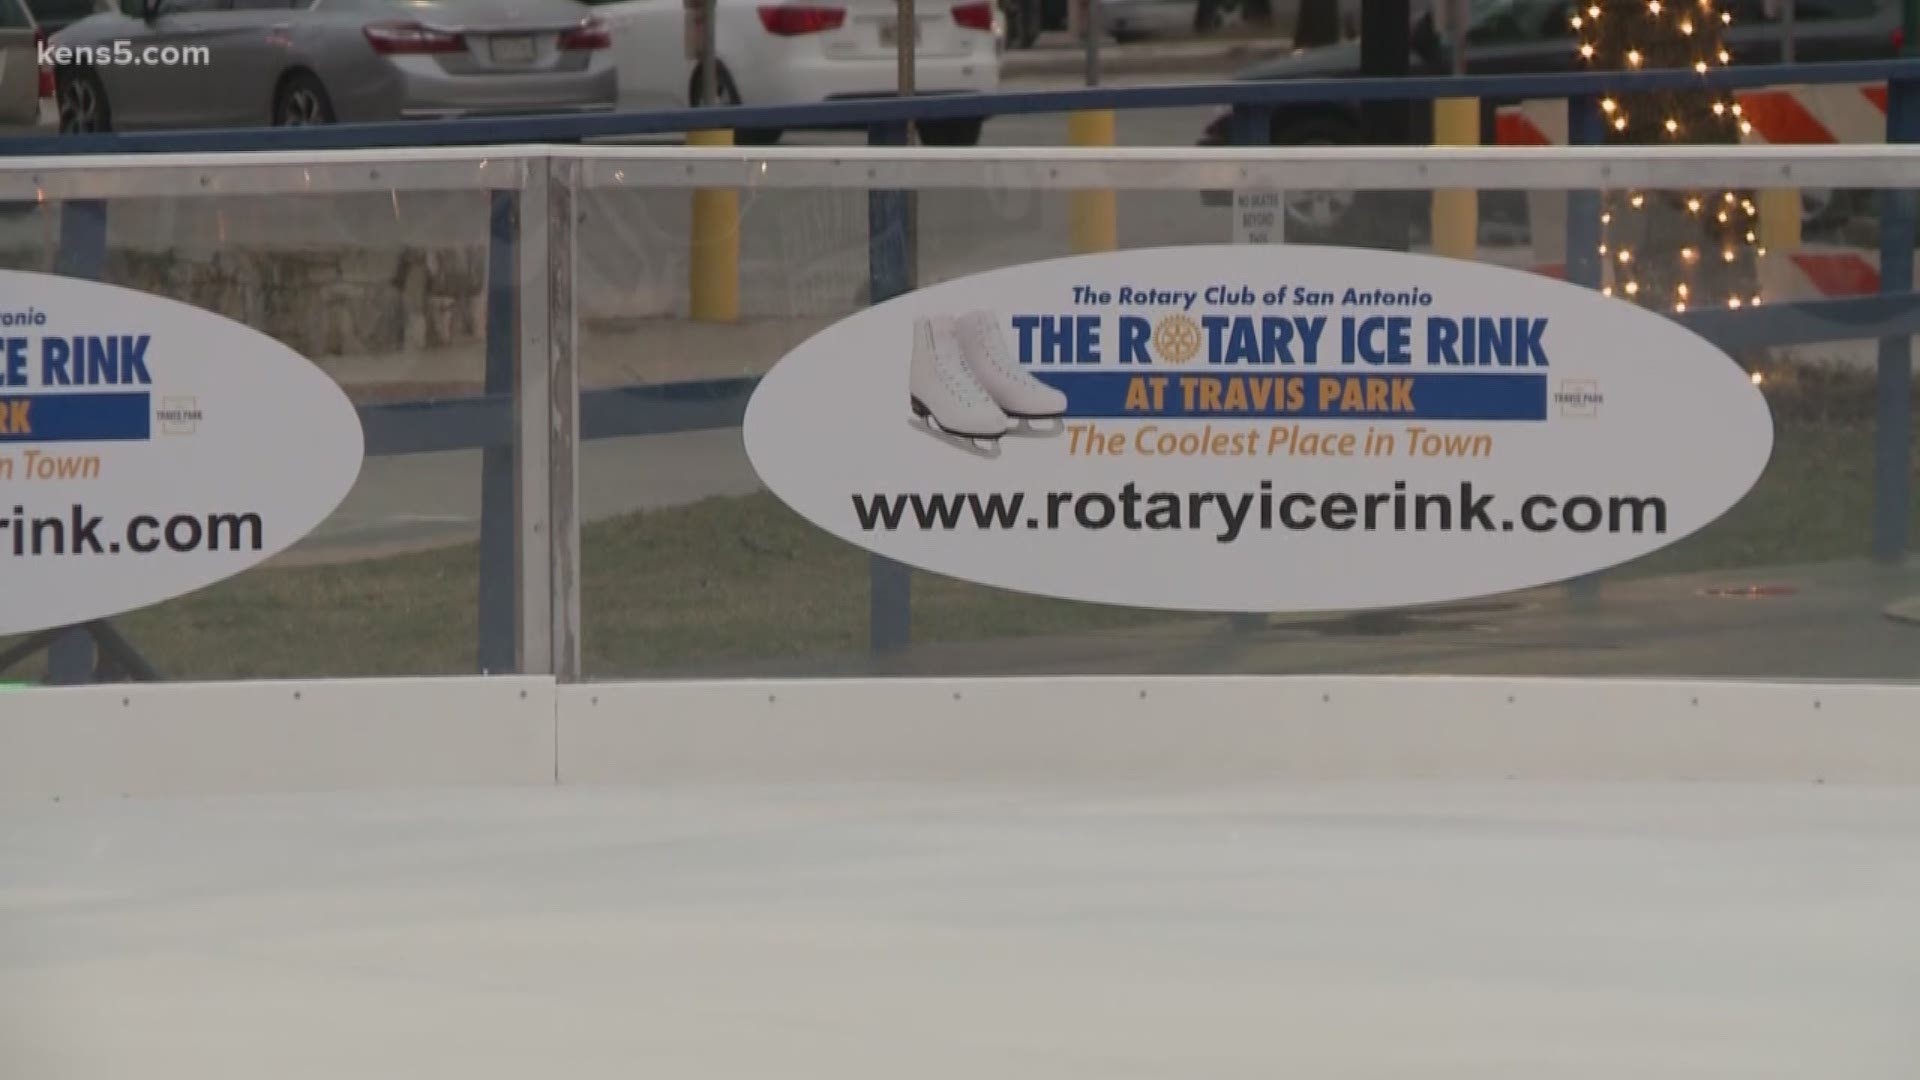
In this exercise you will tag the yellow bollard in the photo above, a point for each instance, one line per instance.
(1093, 215)
(1456, 212)
(1780, 220)
(714, 271)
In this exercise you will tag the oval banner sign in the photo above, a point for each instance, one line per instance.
(149, 448)
(1258, 428)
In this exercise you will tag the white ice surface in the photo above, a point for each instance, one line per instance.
(1491, 932)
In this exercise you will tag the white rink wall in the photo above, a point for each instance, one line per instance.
(259, 737)
(264, 737)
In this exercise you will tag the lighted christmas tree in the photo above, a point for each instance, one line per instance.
(1672, 250)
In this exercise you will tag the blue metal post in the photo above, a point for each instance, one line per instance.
(82, 254)
(497, 593)
(1250, 125)
(890, 273)
(1585, 127)
(1893, 410)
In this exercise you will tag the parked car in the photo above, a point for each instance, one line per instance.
(1508, 37)
(243, 63)
(802, 51)
(1027, 19)
(1137, 20)
(26, 88)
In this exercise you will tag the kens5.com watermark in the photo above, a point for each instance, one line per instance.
(123, 54)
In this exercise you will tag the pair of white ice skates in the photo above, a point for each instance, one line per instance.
(967, 390)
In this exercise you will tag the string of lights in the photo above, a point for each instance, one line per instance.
(1658, 247)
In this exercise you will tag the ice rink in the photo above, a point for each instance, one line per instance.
(1484, 931)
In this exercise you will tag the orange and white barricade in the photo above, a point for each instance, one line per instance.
(1779, 116)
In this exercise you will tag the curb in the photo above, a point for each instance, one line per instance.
(1152, 60)
(1904, 611)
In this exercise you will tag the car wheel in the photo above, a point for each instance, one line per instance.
(82, 99)
(951, 132)
(730, 95)
(1821, 208)
(301, 102)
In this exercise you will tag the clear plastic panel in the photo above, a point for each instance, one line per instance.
(691, 568)
(386, 291)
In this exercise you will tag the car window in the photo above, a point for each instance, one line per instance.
(1507, 22)
(13, 16)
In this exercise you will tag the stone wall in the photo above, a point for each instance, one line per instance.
(348, 275)
(326, 303)
(381, 274)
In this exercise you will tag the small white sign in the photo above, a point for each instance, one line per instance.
(1258, 428)
(1259, 217)
(149, 448)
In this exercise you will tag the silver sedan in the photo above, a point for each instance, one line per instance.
(243, 63)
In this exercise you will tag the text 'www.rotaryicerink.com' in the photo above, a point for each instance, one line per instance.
(1232, 515)
(77, 532)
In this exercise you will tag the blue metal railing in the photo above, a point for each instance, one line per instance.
(485, 422)
(1253, 96)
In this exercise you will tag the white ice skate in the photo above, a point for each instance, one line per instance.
(948, 402)
(1039, 409)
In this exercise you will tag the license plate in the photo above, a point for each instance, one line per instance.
(890, 33)
(513, 50)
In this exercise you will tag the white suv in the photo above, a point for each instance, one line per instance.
(804, 51)
(26, 88)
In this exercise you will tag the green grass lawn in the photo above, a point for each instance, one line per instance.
(744, 579)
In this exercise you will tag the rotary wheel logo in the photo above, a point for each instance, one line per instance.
(1177, 339)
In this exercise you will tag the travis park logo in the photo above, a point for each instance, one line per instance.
(1579, 397)
(179, 415)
